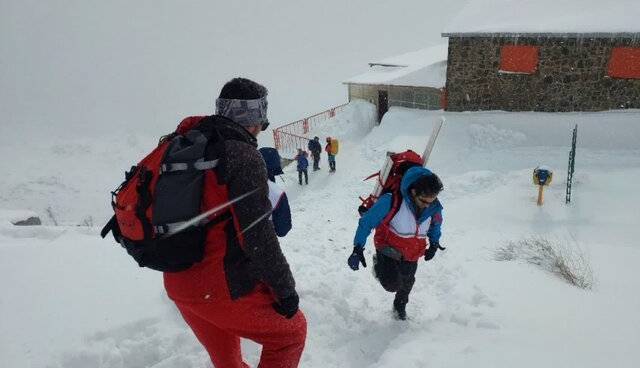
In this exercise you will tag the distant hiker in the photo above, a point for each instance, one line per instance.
(281, 213)
(332, 150)
(243, 287)
(303, 164)
(406, 229)
(315, 148)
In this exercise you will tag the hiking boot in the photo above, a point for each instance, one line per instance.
(400, 311)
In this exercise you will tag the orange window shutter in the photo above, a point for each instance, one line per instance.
(624, 63)
(519, 59)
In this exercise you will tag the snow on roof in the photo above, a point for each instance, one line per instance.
(422, 68)
(593, 17)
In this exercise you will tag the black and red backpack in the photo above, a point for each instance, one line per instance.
(158, 217)
(389, 179)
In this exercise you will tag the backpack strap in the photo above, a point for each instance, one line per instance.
(145, 199)
(396, 202)
(113, 222)
(183, 166)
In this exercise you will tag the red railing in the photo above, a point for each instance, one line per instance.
(289, 137)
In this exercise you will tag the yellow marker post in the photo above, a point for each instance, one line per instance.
(542, 176)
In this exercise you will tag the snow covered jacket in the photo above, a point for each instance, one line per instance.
(242, 249)
(404, 232)
(303, 163)
(281, 214)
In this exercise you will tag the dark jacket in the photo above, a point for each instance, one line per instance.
(272, 160)
(247, 242)
(303, 163)
(315, 147)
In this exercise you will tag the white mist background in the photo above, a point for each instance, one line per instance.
(92, 66)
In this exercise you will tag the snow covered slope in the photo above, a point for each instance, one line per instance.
(72, 300)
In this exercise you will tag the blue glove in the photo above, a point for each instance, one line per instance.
(356, 258)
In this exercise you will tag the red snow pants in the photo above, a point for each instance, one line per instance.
(219, 326)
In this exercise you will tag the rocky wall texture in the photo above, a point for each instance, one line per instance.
(571, 76)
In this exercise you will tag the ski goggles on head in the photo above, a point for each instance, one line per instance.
(244, 112)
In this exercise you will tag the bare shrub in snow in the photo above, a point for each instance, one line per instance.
(566, 261)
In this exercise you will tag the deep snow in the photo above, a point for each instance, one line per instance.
(82, 302)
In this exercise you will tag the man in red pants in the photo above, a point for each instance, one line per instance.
(243, 288)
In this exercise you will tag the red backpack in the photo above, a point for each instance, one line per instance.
(389, 179)
(157, 208)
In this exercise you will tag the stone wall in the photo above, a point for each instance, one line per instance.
(571, 76)
(426, 98)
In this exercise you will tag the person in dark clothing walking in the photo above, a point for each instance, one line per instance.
(243, 287)
(406, 229)
(316, 149)
(303, 164)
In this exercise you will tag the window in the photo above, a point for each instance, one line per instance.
(624, 63)
(519, 59)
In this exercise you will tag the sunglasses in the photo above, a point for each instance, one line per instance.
(265, 125)
(425, 200)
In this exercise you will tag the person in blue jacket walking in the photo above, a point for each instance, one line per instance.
(281, 212)
(407, 227)
(303, 164)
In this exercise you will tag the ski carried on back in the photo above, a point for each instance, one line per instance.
(396, 164)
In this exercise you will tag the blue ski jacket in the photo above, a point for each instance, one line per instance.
(376, 214)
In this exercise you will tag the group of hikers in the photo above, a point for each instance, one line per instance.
(302, 163)
(224, 269)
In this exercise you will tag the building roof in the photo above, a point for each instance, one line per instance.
(580, 18)
(422, 68)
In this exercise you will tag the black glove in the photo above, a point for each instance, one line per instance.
(431, 252)
(287, 307)
(356, 258)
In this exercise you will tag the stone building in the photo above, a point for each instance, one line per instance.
(545, 55)
(413, 80)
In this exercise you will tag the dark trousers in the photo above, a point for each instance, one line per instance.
(395, 276)
(306, 176)
(316, 161)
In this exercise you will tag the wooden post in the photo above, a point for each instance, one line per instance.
(540, 194)
(276, 139)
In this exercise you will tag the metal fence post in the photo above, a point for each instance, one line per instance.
(572, 163)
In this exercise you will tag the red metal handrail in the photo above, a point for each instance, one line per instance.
(289, 137)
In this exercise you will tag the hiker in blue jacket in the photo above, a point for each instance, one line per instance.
(406, 228)
(303, 164)
(281, 213)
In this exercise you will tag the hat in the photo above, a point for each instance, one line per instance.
(243, 101)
